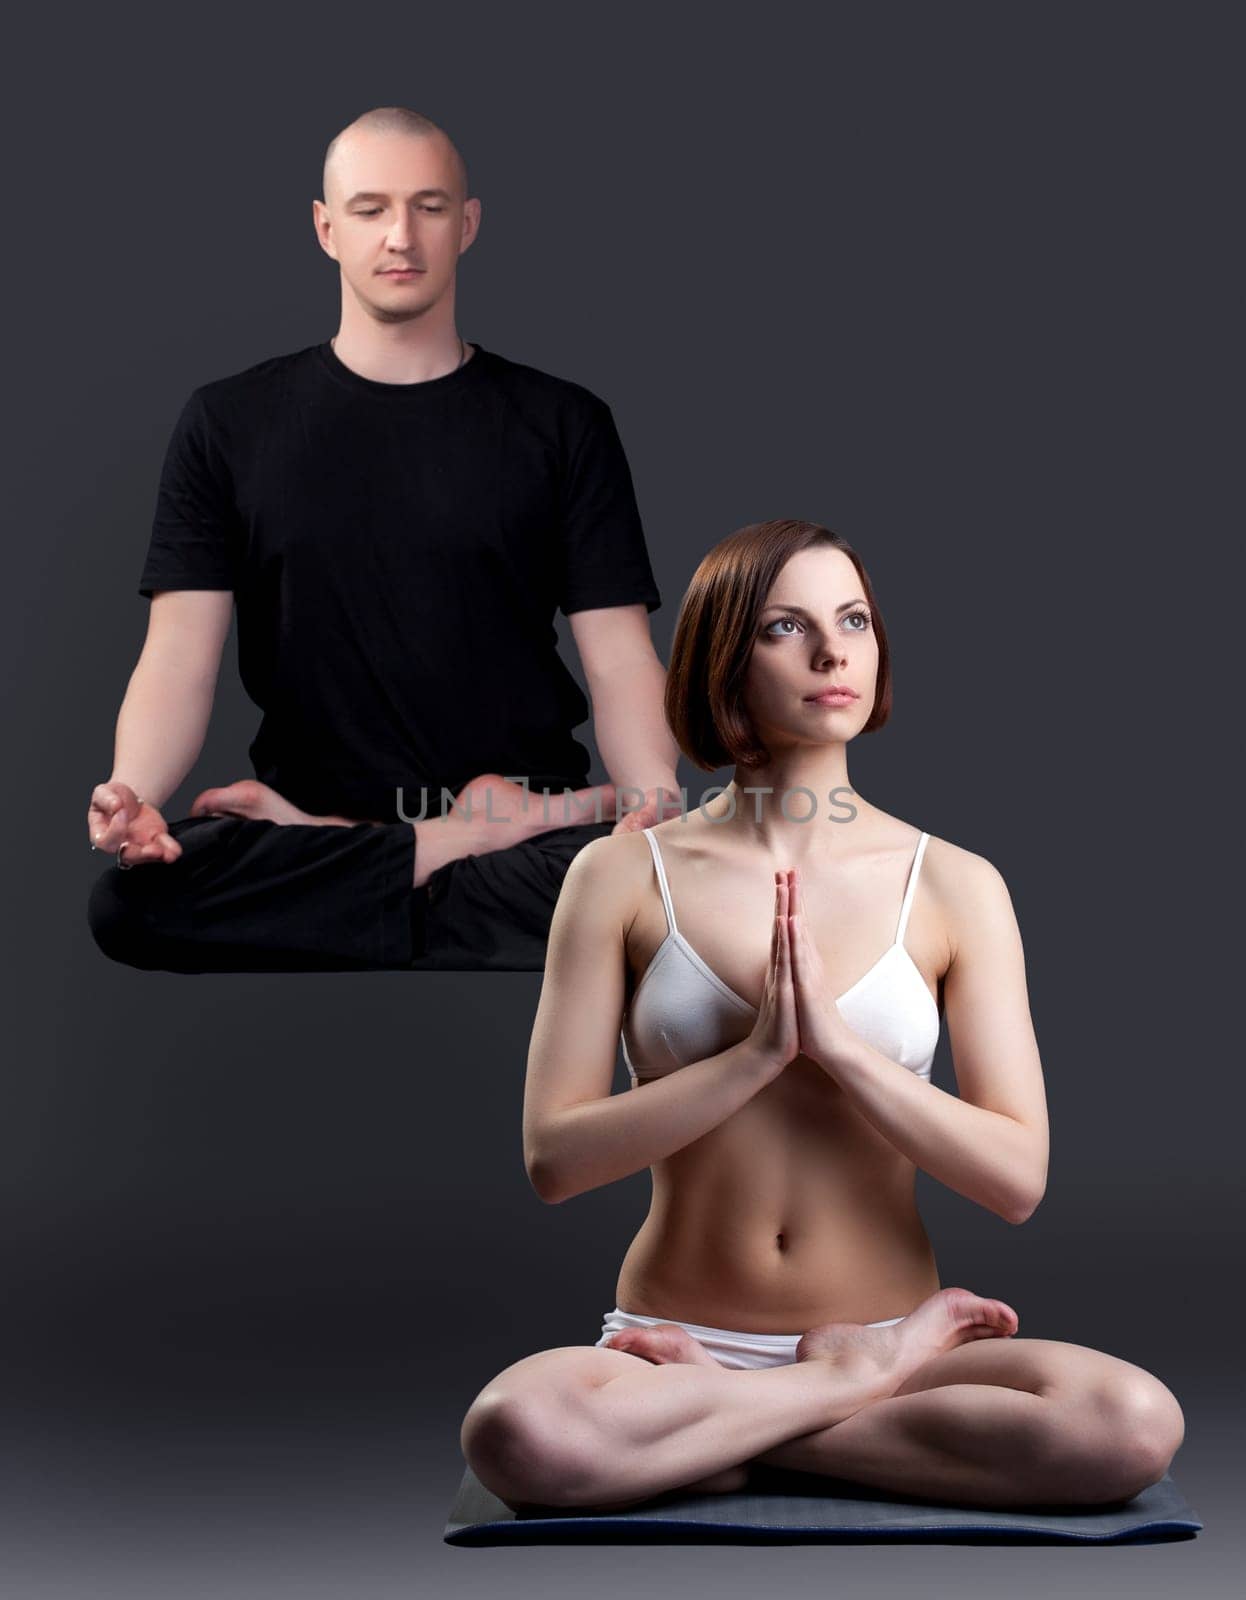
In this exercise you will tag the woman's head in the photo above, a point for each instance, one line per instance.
(775, 612)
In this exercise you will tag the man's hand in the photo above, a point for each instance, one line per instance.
(823, 1031)
(117, 820)
(650, 812)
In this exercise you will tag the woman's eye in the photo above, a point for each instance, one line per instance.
(863, 617)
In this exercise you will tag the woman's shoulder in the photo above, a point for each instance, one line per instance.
(968, 889)
(955, 868)
(611, 871)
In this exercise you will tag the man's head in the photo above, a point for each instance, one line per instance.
(395, 197)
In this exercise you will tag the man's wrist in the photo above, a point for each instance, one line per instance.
(139, 792)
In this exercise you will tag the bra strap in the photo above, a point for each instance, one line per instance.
(907, 903)
(662, 883)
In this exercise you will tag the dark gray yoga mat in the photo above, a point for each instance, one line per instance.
(793, 1507)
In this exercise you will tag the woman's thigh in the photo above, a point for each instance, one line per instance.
(566, 1370)
(1005, 1422)
(1042, 1366)
(1096, 1396)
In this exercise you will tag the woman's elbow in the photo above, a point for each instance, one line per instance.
(547, 1175)
(1025, 1205)
(545, 1179)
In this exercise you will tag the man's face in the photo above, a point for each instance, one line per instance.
(395, 219)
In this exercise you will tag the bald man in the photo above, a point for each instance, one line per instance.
(394, 515)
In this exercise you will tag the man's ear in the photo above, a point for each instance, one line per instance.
(471, 213)
(320, 220)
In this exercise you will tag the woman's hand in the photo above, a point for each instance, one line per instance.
(823, 1031)
(775, 1034)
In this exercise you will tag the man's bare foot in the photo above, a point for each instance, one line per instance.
(257, 802)
(665, 1345)
(518, 813)
(490, 813)
(885, 1357)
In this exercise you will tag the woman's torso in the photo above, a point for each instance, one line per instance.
(795, 1210)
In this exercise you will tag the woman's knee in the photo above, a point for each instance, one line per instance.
(1121, 1437)
(1147, 1425)
(530, 1448)
(532, 1436)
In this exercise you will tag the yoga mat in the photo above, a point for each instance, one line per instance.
(782, 1507)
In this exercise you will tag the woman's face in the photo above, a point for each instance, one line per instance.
(815, 631)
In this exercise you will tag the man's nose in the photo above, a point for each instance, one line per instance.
(400, 234)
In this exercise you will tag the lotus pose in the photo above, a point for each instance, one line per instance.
(781, 1303)
(394, 516)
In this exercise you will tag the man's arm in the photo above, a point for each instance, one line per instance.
(163, 718)
(626, 681)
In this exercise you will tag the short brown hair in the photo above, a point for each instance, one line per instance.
(715, 633)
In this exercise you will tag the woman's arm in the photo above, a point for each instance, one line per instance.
(990, 1142)
(577, 1134)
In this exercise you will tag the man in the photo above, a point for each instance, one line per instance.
(396, 515)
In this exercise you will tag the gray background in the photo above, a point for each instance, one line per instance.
(953, 279)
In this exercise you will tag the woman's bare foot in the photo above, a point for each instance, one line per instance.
(256, 801)
(667, 1344)
(885, 1357)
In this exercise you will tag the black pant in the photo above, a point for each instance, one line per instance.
(249, 896)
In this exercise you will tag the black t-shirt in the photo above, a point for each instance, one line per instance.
(397, 553)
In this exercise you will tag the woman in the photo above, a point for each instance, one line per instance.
(784, 1116)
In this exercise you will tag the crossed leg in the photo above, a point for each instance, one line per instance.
(990, 1421)
(1005, 1422)
(594, 1426)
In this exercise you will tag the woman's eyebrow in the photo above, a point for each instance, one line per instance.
(799, 611)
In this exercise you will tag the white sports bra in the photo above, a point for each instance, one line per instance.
(682, 1011)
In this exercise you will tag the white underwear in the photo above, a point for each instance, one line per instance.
(728, 1349)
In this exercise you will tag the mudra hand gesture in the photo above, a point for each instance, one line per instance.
(129, 828)
(798, 1014)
